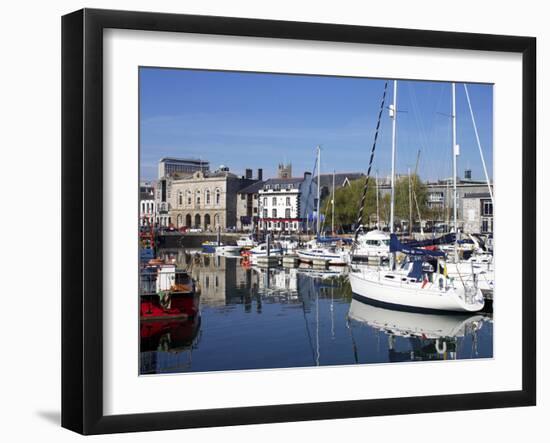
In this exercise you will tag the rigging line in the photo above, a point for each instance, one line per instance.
(414, 191)
(363, 198)
(479, 143)
(416, 112)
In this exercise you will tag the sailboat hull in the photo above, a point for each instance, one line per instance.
(338, 259)
(411, 297)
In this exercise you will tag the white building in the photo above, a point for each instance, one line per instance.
(147, 206)
(284, 203)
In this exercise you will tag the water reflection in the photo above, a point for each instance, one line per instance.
(428, 336)
(253, 318)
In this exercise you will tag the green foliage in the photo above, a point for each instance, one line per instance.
(348, 200)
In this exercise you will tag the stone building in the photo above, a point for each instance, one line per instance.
(205, 199)
(248, 204)
(477, 213)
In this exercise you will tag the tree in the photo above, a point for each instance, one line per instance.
(348, 200)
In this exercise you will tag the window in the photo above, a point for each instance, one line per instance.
(180, 198)
(265, 213)
(288, 201)
(189, 198)
(255, 210)
(287, 213)
(218, 196)
(274, 213)
(243, 196)
(207, 196)
(274, 201)
(198, 198)
(487, 208)
(255, 196)
(265, 201)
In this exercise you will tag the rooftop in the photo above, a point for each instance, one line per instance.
(253, 188)
(196, 161)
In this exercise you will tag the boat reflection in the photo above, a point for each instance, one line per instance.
(429, 336)
(167, 346)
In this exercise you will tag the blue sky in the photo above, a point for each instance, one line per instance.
(253, 120)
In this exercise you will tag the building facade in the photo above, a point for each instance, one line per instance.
(147, 205)
(248, 206)
(477, 213)
(205, 200)
(284, 204)
(170, 166)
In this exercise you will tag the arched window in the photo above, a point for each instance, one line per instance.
(189, 198)
(217, 220)
(198, 197)
(180, 198)
(207, 196)
(218, 196)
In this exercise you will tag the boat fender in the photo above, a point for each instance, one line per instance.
(440, 349)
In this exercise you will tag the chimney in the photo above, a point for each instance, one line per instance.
(248, 173)
(306, 174)
(260, 174)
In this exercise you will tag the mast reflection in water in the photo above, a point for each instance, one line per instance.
(252, 318)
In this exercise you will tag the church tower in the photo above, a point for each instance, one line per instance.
(284, 171)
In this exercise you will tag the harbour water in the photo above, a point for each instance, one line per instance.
(254, 318)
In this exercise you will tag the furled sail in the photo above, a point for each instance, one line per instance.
(397, 246)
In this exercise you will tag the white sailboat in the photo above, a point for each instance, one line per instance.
(318, 249)
(479, 266)
(413, 285)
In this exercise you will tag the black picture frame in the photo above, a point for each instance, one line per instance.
(82, 219)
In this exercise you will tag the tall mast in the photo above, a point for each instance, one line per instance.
(377, 204)
(410, 205)
(333, 196)
(393, 116)
(318, 188)
(455, 153)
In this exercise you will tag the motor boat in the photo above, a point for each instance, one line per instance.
(315, 250)
(371, 244)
